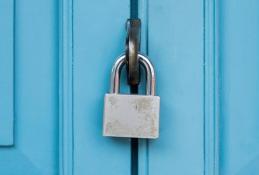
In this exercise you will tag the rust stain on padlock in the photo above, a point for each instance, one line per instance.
(142, 105)
(113, 102)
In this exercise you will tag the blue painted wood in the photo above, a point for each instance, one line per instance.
(143, 143)
(6, 72)
(98, 38)
(64, 52)
(36, 91)
(176, 47)
(239, 84)
(211, 88)
(66, 88)
(237, 98)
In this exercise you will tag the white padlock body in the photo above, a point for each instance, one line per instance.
(133, 116)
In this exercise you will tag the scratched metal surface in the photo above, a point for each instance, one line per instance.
(131, 116)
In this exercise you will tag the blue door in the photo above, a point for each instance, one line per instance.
(55, 62)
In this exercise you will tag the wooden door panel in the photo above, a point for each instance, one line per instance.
(175, 45)
(35, 148)
(6, 72)
(239, 84)
(55, 64)
(98, 39)
(211, 123)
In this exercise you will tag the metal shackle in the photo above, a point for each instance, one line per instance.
(150, 74)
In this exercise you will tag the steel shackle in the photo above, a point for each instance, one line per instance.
(150, 74)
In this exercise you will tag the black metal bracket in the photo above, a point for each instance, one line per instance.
(133, 27)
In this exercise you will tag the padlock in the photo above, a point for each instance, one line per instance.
(132, 116)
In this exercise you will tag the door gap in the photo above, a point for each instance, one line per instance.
(134, 90)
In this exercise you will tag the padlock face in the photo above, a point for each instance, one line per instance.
(133, 116)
